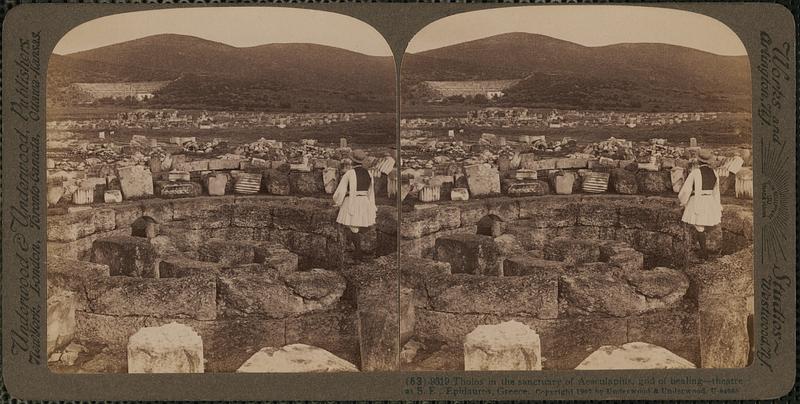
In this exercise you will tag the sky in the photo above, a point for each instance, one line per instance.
(588, 25)
(253, 26)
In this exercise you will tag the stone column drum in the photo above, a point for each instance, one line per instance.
(506, 346)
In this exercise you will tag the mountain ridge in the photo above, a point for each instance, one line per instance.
(266, 75)
(559, 73)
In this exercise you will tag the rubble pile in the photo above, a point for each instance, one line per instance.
(194, 146)
(434, 171)
(112, 173)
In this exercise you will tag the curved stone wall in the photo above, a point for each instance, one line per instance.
(575, 298)
(651, 225)
(306, 226)
(222, 268)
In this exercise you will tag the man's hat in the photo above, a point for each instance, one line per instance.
(705, 156)
(358, 156)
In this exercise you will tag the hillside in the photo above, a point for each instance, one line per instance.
(562, 74)
(214, 75)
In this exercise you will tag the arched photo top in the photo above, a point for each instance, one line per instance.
(297, 60)
(587, 25)
(534, 50)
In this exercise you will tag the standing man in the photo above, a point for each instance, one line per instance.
(355, 197)
(701, 201)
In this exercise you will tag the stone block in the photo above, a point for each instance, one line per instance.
(77, 225)
(177, 189)
(470, 253)
(677, 178)
(471, 212)
(126, 256)
(275, 256)
(724, 340)
(491, 225)
(313, 247)
(230, 342)
(306, 183)
(330, 180)
(135, 181)
(190, 297)
(621, 295)
(572, 251)
(624, 181)
(531, 264)
(161, 211)
(420, 223)
(507, 210)
(627, 260)
(449, 328)
(509, 245)
(334, 330)
(482, 180)
(191, 166)
(176, 175)
(568, 164)
(406, 314)
(242, 293)
(653, 182)
(171, 348)
(203, 212)
(459, 194)
(217, 184)
(506, 346)
(112, 196)
(548, 213)
(227, 253)
(633, 355)
(295, 216)
(566, 342)
(562, 183)
(61, 306)
(515, 187)
(178, 266)
(528, 162)
(252, 215)
(224, 164)
(414, 274)
(295, 358)
(83, 196)
(530, 237)
(677, 330)
(145, 226)
(462, 293)
(276, 181)
(378, 328)
(598, 213)
(247, 183)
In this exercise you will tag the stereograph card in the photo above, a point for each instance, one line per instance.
(399, 202)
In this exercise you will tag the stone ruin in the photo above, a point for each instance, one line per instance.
(218, 285)
(582, 274)
(255, 276)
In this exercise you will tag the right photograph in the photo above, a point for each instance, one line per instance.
(576, 186)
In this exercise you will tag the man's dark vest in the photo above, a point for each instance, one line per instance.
(709, 179)
(363, 180)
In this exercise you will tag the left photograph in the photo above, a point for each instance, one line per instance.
(221, 194)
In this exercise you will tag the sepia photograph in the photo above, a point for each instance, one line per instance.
(221, 194)
(576, 187)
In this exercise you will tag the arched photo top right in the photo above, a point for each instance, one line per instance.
(592, 172)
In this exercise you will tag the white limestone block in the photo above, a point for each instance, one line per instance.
(506, 346)
(170, 348)
(295, 358)
(634, 355)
